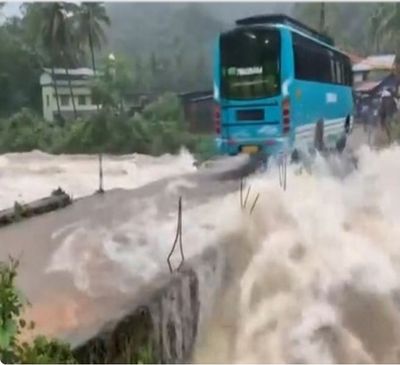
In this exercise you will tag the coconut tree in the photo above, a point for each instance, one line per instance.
(390, 23)
(379, 27)
(52, 27)
(92, 17)
(46, 28)
(373, 27)
(66, 43)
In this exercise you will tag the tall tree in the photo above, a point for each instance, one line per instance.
(67, 50)
(53, 28)
(390, 24)
(92, 17)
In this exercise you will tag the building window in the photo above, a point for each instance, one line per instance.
(82, 99)
(64, 100)
(48, 100)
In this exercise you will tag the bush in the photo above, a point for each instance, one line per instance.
(24, 131)
(159, 129)
(204, 148)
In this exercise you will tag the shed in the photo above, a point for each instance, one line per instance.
(198, 111)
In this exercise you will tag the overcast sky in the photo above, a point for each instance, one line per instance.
(11, 8)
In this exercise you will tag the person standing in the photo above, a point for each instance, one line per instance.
(387, 108)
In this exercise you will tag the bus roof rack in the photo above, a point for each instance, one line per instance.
(286, 20)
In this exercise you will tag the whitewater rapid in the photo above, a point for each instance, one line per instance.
(314, 272)
(310, 276)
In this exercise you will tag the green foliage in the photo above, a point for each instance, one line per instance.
(359, 28)
(11, 305)
(19, 71)
(24, 131)
(203, 148)
(42, 350)
(159, 129)
(145, 355)
(111, 88)
(45, 351)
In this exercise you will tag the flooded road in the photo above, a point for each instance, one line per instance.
(313, 271)
(83, 263)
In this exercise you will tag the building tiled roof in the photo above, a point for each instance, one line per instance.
(375, 62)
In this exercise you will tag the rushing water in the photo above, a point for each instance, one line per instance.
(310, 276)
(28, 176)
(313, 274)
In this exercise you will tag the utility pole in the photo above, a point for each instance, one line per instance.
(322, 27)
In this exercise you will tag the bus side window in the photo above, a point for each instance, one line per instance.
(349, 73)
(343, 80)
(333, 68)
(311, 63)
(300, 62)
(320, 64)
(324, 66)
(338, 72)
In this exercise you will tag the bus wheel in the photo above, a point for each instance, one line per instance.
(319, 136)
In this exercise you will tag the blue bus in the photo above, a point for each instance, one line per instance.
(280, 86)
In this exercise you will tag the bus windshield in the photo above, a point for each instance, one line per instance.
(250, 63)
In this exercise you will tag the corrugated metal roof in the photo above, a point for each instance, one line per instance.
(375, 62)
(83, 71)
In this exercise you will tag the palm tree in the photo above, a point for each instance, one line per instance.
(66, 42)
(373, 27)
(92, 18)
(378, 27)
(390, 23)
(47, 28)
(53, 28)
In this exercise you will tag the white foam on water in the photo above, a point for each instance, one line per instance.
(25, 177)
(315, 270)
(134, 251)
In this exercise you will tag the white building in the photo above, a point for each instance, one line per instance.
(81, 79)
